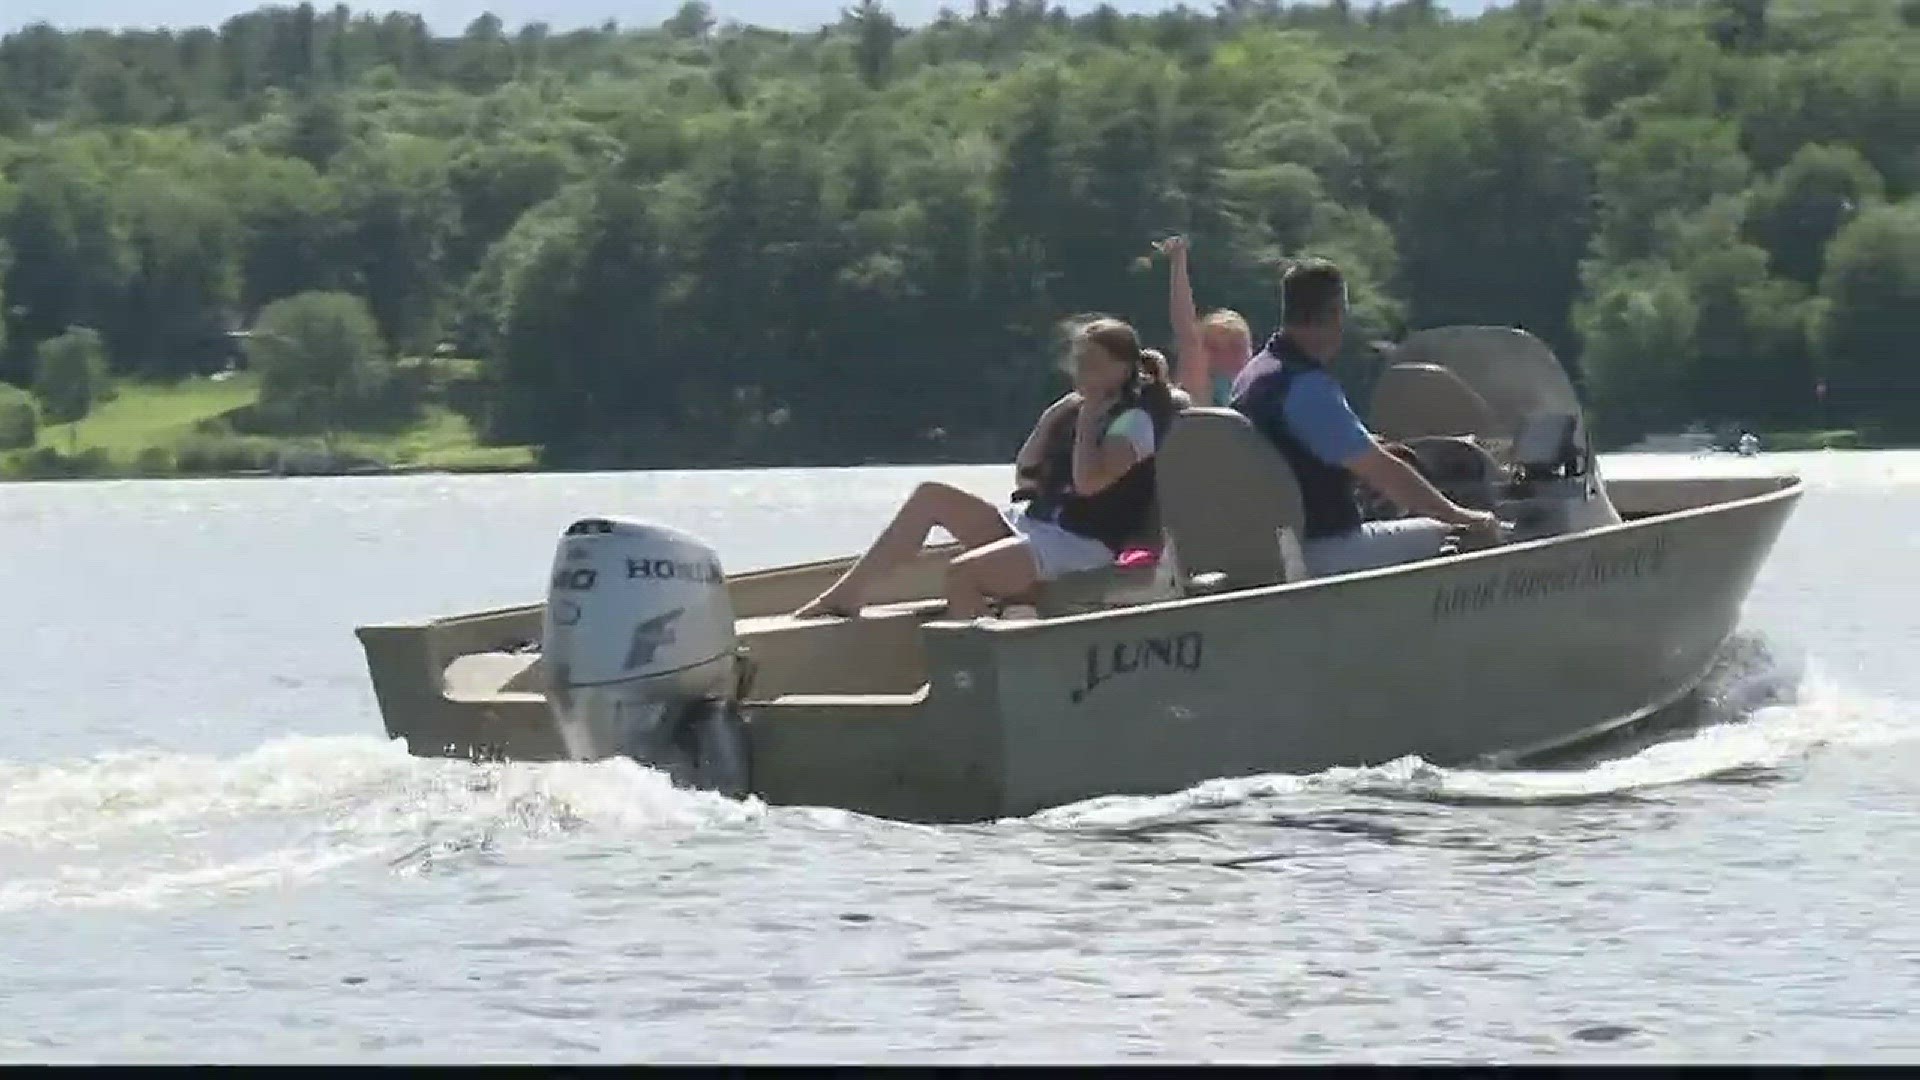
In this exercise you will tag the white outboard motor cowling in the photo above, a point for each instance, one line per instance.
(640, 651)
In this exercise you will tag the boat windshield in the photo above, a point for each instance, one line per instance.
(1513, 373)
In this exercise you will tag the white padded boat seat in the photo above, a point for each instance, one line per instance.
(1413, 401)
(1227, 498)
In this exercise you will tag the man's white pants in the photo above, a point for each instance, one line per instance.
(1377, 544)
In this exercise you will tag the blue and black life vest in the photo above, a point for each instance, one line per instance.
(1327, 494)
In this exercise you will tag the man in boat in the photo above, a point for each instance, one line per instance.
(1288, 394)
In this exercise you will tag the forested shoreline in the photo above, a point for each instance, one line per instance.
(703, 243)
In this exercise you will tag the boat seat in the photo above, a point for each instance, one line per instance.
(1462, 469)
(812, 656)
(494, 672)
(1229, 503)
(1416, 401)
(1103, 588)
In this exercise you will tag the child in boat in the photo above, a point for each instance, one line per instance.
(1210, 350)
(1085, 475)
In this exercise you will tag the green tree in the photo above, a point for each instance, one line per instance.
(484, 58)
(6, 260)
(1666, 167)
(1738, 25)
(321, 360)
(693, 19)
(38, 66)
(1858, 91)
(1491, 202)
(1751, 356)
(1797, 211)
(495, 182)
(1638, 320)
(875, 33)
(1872, 289)
(70, 374)
(582, 334)
(318, 130)
(858, 242)
(71, 260)
(289, 227)
(399, 215)
(19, 418)
(173, 314)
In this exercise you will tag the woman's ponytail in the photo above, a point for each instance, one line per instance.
(1155, 388)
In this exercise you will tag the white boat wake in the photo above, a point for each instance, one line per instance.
(145, 830)
(1756, 714)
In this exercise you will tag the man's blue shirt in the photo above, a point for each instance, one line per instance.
(1315, 409)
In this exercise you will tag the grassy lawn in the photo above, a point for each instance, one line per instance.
(1836, 439)
(143, 416)
(443, 439)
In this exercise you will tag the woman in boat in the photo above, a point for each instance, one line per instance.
(1211, 350)
(1085, 475)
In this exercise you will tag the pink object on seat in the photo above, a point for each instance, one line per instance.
(1137, 557)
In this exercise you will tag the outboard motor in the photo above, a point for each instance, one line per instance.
(641, 655)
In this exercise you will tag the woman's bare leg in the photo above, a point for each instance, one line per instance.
(972, 521)
(1003, 569)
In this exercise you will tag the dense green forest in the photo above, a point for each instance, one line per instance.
(702, 242)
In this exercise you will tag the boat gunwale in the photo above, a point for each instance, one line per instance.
(1788, 487)
(535, 607)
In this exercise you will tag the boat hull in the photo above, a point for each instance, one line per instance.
(1481, 657)
(1485, 657)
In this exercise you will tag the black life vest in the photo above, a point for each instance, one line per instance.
(1327, 493)
(1119, 514)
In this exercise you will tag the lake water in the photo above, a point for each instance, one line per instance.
(210, 852)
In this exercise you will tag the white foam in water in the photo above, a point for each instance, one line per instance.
(138, 829)
(93, 886)
(375, 780)
(1768, 738)
(146, 829)
(70, 802)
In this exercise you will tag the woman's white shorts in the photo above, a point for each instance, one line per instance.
(1055, 550)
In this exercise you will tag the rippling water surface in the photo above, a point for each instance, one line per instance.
(208, 851)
